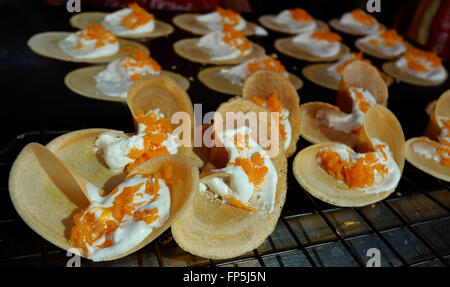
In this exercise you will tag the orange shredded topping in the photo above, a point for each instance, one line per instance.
(235, 38)
(355, 174)
(96, 32)
(137, 17)
(274, 105)
(374, 42)
(268, 62)
(359, 99)
(228, 16)
(360, 16)
(390, 37)
(236, 202)
(300, 15)
(254, 168)
(87, 230)
(140, 59)
(156, 133)
(326, 35)
(415, 58)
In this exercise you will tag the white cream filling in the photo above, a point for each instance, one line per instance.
(88, 49)
(319, 48)
(348, 21)
(130, 232)
(115, 146)
(395, 50)
(433, 74)
(381, 182)
(115, 80)
(349, 122)
(113, 23)
(284, 117)
(213, 44)
(284, 19)
(261, 197)
(213, 21)
(239, 73)
(332, 69)
(426, 150)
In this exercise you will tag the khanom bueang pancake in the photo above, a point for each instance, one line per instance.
(431, 152)
(361, 87)
(337, 174)
(242, 189)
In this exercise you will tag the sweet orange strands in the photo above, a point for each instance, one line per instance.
(355, 174)
(141, 60)
(268, 62)
(137, 17)
(254, 168)
(228, 16)
(96, 32)
(326, 35)
(300, 15)
(390, 37)
(156, 133)
(88, 230)
(415, 58)
(273, 105)
(235, 38)
(362, 17)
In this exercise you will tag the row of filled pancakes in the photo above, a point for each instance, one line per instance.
(143, 170)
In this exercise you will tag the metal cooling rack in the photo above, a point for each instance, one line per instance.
(410, 228)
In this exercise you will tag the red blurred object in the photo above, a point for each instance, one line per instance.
(438, 36)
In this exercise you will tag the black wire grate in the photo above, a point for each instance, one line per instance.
(411, 228)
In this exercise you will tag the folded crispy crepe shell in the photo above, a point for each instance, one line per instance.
(429, 109)
(267, 21)
(82, 81)
(212, 229)
(436, 169)
(188, 22)
(363, 47)
(441, 109)
(188, 49)
(215, 80)
(325, 187)
(161, 92)
(391, 69)
(315, 131)
(359, 74)
(335, 24)
(85, 19)
(39, 196)
(46, 44)
(318, 74)
(263, 84)
(287, 47)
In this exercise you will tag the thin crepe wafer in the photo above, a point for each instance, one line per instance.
(267, 21)
(82, 81)
(432, 132)
(288, 48)
(212, 229)
(325, 187)
(187, 48)
(213, 79)
(263, 84)
(46, 44)
(391, 69)
(318, 74)
(373, 52)
(188, 22)
(429, 109)
(48, 208)
(85, 19)
(336, 25)
(357, 74)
